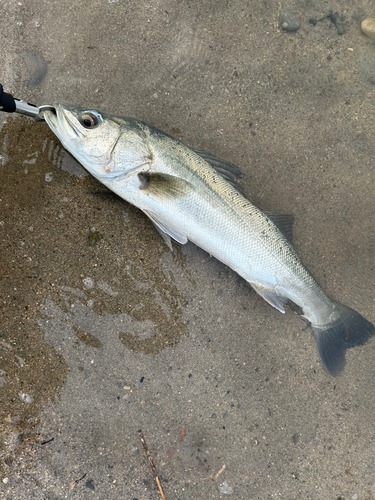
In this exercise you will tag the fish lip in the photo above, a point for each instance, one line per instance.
(51, 119)
(54, 121)
(61, 126)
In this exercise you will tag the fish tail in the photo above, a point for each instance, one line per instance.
(348, 329)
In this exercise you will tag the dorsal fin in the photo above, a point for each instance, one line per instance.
(284, 224)
(227, 170)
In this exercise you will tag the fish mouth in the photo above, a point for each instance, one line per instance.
(61, 125)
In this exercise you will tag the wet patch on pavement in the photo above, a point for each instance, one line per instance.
(49, 206)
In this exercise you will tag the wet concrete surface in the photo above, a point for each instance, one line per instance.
(104, 331)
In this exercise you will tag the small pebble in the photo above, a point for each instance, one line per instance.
(295, 438)
(225, 488)
(26, 398)
(20, 361)
(288, 21)
(88, 283)
(93, 238)
(368, 27)
(35, 272)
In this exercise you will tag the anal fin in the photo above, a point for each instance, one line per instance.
(271, 297)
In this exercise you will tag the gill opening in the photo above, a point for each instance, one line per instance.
(107, 170)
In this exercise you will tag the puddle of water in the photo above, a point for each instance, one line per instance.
(53, 279)
(154, 320)
(28, 150)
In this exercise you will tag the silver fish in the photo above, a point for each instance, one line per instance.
(191, 195)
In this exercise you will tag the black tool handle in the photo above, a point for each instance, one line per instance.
(7, 102)
(10, 104)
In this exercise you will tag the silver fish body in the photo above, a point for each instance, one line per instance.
(190, 195)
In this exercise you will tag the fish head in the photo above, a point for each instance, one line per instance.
(107, 146)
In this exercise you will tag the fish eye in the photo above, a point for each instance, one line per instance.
(89, 119)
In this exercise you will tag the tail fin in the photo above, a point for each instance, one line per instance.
(350, 329)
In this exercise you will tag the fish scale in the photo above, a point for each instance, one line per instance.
(192, 195)
(248, 235)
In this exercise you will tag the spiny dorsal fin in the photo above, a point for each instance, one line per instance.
(284, 224)
(163, 185)
(227, 170)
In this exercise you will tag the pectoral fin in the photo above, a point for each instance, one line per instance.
(161, 185)
(271, 297)
(166, 230)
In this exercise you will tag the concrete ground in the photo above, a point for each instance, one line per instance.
(104, 331)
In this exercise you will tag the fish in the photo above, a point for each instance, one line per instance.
(190, 195)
